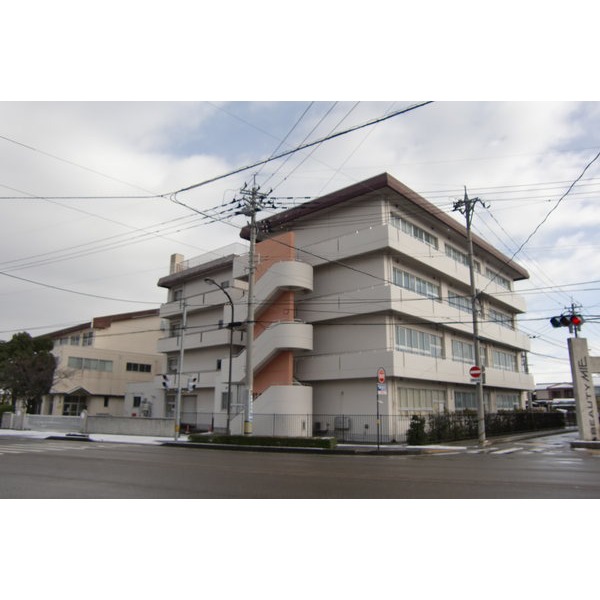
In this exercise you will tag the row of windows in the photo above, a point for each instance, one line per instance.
(431, 240)
(429, 344)
(428, 289)
(87, 339)
(414, 231)
(96, 364)
(411, 282)
(92, 364)
(419, 399)
(418, 342)
(139, 367)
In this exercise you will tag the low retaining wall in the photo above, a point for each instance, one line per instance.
(130, 426)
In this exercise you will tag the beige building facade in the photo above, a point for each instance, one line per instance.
(97, 360)
(370, 277)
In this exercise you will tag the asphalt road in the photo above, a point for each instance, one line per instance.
(540, 468)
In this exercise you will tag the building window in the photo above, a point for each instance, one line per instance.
(461, 257)
(457, 255)
(172, 364)
(137, 400)
(91, 364)
(87, 338)
(461, 302)
(414, 231)
(175, 328)
(106, 401)
(418, 342)
(507, 401)
(170, 406)
(468, 401)
(503, 319)
(139, 367)
(463, 352)
(415, 399)
(176, 294)
(74, 340)
(501, 281)
(415, 284)
(505, 361)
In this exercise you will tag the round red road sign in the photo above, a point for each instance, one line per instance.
(381, 375)
(475, 372)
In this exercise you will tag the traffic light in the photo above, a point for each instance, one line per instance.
(166, 382)
(191, 385)
(572, 321)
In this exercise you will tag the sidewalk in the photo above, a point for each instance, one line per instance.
(342, 448)
(182, 442)
(78, 437)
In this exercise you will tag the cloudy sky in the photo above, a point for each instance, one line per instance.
(88, 223)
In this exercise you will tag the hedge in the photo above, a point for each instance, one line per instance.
(448, 427)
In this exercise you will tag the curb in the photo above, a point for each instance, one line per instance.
(583, 444)
(354, 450)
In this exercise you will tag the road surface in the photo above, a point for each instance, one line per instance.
(541, 468)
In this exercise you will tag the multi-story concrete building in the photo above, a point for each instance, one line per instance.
(98, 359)
(370, 277)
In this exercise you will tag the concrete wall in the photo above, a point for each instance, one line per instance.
(130, 426)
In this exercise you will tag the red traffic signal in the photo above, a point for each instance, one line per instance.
(576, 320)
(570, 321)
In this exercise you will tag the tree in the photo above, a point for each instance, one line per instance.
(27, 369)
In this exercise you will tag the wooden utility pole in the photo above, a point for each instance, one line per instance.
(253, 203)
(467, 208)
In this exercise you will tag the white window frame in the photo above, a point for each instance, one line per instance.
(416, 284)
(418, 342)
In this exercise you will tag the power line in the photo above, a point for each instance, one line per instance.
(61, 289)
(301, 147)
(555, 206)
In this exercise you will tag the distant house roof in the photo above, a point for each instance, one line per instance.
(379, 182)
(104, 322)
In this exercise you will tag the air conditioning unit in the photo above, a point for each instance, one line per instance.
(342, 423)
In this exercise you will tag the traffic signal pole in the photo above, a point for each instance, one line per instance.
(467, 208)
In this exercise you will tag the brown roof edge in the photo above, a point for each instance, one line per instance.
(103, 322)
(381, 181)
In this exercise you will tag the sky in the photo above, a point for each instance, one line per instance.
(89, 221)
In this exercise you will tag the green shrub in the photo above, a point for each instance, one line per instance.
(448, 427)
(416, 431)
(326, 443)
(5, 408)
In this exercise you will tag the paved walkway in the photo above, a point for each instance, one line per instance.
(452, 447)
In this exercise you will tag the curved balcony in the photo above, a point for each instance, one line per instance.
(277, 338)
(285, 275)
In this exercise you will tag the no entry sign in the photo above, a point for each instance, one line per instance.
(381, 375)
(475, 372)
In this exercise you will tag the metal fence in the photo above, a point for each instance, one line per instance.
(365, 429)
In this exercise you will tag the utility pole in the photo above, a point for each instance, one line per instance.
(253, 203)
(231, 326)
(467, 208)
(180, 370)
